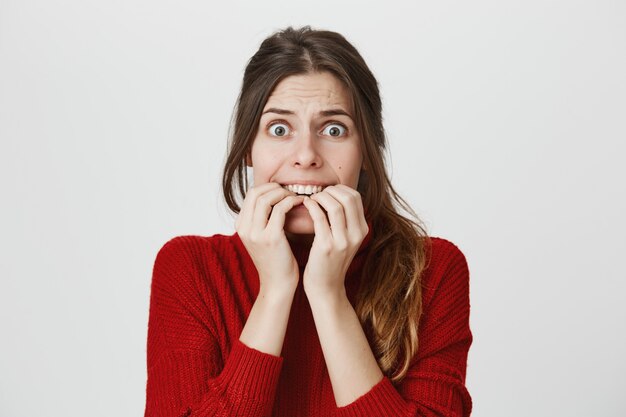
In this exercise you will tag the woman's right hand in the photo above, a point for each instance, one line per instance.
(260, 225)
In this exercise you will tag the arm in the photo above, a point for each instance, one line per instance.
(260, 227)
(352, 367)
(186, 373)
(435, 383)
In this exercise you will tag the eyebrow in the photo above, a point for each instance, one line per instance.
(324, 113)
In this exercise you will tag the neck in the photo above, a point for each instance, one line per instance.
(300, 246)
(300, 239)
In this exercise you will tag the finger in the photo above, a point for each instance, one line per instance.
(246, 214)
(352, 203)
(253, 193)
(264, 205)
(336, 214)
(279, 212)
(320, 225)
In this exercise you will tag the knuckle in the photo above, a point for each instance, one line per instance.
(356, 239)
(255, 237)
(280, 207)
(342, 245)
(326, 248)
(273, 240)
(335, 210)
(263, 200)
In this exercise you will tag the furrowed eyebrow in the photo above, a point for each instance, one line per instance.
(324, 113)
(278, 111)
(335, 112)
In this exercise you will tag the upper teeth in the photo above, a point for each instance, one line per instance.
(304, 189)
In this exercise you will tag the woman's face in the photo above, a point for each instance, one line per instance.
(307, 137)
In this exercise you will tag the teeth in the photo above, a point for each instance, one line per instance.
(304, 189)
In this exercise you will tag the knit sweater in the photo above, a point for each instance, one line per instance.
(202, 291)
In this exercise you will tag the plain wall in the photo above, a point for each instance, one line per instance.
(506, 124)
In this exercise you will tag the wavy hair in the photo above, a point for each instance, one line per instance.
(389, 303)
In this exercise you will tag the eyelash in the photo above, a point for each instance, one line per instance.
(276, 122)
(344, 127)
(332, 122)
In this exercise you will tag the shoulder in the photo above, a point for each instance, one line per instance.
(446, 270)
(187, 256)
(445, 252)
(444, 330)
(190, 246)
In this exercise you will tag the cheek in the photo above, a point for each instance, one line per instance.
(299, 221)
(264, 165)
(348, 168)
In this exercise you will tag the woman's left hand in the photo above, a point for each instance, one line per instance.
(335, 244)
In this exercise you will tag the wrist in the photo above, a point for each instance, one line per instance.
(326, 294)
(267, 322)
(281, 293)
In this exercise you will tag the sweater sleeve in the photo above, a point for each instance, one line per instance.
(435, 383)
(187, 375)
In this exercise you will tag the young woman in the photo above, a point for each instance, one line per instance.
(330, 299)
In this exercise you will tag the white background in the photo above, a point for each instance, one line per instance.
(507, 130)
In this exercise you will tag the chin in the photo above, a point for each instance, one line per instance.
(299, 223)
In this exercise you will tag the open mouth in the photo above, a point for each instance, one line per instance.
(301, 189)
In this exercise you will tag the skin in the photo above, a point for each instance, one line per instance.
(307, 150)
(297, 142)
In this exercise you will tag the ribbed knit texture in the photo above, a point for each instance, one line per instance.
(203, 289)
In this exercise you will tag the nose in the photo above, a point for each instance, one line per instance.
(306, 154)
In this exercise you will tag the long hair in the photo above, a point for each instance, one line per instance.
(389, 302)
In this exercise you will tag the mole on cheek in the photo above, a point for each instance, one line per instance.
(340, 167)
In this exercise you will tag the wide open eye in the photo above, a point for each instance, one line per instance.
(335, 130)
(278, 129)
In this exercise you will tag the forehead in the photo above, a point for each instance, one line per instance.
(321, 88)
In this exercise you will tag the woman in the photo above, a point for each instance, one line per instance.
(327, 301)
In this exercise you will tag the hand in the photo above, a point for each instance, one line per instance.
(335, 244)
(264, 237)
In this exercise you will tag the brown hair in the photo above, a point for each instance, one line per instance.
(389, 303)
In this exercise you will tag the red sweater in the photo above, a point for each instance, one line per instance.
(203, 289)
